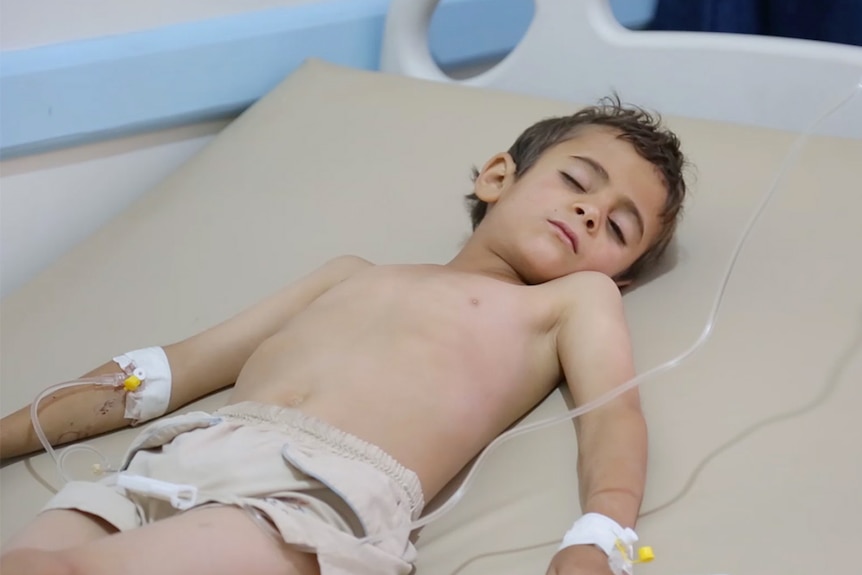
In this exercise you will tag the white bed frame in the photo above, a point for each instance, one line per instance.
(575, 50)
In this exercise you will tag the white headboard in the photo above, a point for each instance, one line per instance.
(576, 50)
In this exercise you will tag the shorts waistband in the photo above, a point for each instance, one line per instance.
(335, 440)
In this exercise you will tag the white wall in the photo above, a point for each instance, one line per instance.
(50, 202)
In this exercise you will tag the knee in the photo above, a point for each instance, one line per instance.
(25, 561)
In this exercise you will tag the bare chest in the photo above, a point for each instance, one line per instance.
(455, 319)
(457, 339)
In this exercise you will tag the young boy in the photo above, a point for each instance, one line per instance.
(361, 390)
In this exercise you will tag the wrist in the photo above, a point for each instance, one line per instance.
(610, 538)
(599, 530)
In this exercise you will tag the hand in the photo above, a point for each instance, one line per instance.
(580, 560)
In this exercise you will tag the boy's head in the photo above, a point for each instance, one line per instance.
(623, 171)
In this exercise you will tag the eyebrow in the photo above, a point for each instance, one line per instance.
(627, 204)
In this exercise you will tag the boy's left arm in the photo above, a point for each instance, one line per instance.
(594, 348)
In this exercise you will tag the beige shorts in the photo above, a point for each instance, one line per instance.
(318, 487)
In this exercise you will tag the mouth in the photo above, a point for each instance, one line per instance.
(566, 233)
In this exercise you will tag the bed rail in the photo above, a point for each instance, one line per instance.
(576, 50)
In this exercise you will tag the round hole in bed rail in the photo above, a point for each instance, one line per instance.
(468, 37)
(634, 14)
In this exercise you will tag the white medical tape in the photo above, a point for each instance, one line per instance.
(152, 398)
(179, 495)
(603, 532)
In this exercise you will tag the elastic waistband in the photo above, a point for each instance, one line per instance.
(333, 440)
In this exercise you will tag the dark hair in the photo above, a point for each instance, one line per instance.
(641, 128)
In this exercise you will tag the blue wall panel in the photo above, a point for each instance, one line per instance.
(82, 91)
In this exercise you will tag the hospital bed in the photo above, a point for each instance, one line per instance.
(754, 455)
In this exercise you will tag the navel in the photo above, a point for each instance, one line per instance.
(293, 400)
(475, 301)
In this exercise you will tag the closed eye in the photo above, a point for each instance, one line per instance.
(618, 232)
(572, 181)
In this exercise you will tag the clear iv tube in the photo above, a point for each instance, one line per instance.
(791, 156)
(114, 380)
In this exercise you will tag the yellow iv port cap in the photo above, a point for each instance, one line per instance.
(132, 383)
(645, 555)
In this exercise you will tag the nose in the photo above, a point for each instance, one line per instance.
(590, 214)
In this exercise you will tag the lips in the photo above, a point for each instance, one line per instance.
(567, 233)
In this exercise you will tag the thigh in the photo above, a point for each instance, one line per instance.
(58, 529)
(214, 540)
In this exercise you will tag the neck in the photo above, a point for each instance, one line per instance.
(477, 259)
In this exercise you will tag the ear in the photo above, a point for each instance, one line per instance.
(497, 174)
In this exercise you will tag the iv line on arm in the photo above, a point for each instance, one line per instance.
(144, 377)
(791, 156)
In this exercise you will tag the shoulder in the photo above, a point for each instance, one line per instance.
(332, 272)
(347, 264)
(592, 333)
(349, 261)
(586, 290)
(590, 303)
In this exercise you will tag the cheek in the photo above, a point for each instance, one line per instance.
(610, 260)
(537, 187)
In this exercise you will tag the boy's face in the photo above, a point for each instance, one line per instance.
(589, 203)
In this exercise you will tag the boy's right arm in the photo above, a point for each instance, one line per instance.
(201, 364)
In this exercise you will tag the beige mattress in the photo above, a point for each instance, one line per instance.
(754, 443)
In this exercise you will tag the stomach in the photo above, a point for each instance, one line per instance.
(432, 420)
